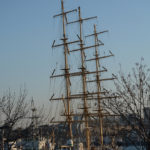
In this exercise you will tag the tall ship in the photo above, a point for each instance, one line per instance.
(78, 83)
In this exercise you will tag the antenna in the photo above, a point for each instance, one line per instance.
(34, 120)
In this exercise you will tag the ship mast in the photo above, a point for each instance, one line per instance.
(84, 83)
(98, 89)
(66, 51)
(83, 73)
(66, 68)
(98, 81)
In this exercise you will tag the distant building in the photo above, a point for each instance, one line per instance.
(30, 144)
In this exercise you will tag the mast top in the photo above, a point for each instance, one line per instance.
(64, 13)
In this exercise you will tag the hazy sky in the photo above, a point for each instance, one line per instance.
(27, 30)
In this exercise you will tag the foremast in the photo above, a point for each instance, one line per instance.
(66, 69)
(67, 77)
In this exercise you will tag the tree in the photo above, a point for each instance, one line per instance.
(13, 109)
(131, 104)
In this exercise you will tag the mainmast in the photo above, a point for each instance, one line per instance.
(83, 69)
(83, 73)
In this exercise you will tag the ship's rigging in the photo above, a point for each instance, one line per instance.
(85, 95)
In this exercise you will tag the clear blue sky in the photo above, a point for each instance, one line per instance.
(27, 31)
